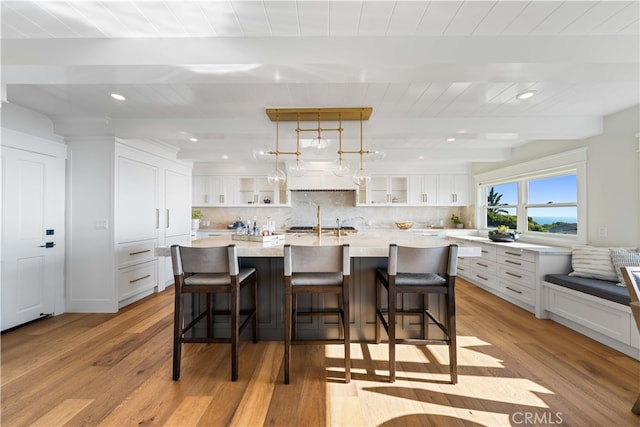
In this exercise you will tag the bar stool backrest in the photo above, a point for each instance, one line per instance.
(440, 260)
(223, 259)
(317, 259)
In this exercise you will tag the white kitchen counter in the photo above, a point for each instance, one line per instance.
(365, 244)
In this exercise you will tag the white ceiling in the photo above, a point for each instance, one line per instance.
(431, 70)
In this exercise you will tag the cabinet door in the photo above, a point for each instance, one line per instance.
(200, 190)
(177, 213)
(137, 214)
(453, 190)
(222, 190)
(429, 194)
(398, 189)
(247, 193)
(378, 191)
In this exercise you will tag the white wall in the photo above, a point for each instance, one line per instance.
(613, 177)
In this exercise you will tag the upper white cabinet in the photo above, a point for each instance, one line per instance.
(230, 190)
(453, 190)
(138, 211)
(423, 190)
(214, 190)
(384, 190)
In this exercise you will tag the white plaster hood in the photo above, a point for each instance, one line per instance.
(318, 176)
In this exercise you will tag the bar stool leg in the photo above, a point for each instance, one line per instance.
(378, 309)
(393, 298)
(177, 329)
(235, 332)
(288, 313)
(346, 319)
(451, 327)
(254, 297)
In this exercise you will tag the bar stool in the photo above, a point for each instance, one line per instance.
(316, 270)
(421, 271)
(211, 271)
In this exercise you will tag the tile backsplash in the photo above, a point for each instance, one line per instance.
(335, 205)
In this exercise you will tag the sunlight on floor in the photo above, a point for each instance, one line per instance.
(422, 391)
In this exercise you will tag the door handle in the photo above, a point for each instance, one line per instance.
(48, 245)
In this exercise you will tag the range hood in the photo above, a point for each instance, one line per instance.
(318, 176)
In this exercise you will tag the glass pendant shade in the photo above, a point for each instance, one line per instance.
(361, 178)
(298, 169)
(277, 177)
(318, 145)
(340, 168)
(262, 154)
(375, 154)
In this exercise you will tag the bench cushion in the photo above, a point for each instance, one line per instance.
(600, 288)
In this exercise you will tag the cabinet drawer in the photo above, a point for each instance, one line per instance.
(483, 265)
(482, 279)
(136, 279)
(517, 291)
(517, 254)
(522, 278)
(134, 253)
(516, 263)
(488, 252)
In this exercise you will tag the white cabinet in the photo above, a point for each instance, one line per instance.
(127, 199)
(256, 190)
(513, 271)
(384, 190)
(214, 190)
(423, 190)
(453, 190)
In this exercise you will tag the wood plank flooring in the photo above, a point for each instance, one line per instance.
(115, 370)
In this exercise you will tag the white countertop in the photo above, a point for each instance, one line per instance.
(518, 245)
(365, 244)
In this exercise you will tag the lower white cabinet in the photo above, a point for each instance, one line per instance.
(135, 280)
(513, 271)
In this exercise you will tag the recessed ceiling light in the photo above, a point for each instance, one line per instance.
(451, 139)
(526, 95)
(224, 157)
(118, 97)
(193, 139)
(420, 157)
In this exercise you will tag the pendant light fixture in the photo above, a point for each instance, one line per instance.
(318, 144)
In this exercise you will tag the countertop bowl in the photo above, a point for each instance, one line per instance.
(505, 238)
(404, 225)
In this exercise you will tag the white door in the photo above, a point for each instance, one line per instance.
(31, 259)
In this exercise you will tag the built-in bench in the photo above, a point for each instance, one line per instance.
(596, 308)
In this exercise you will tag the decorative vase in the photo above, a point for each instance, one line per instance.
(195, 224)
(460, 225)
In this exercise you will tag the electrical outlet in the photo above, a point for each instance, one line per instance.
(602, 231)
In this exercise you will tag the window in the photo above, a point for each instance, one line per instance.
(552, 205)
(544, 198)
(546, 204)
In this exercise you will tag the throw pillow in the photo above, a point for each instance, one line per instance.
(592, 262)
(624, 258)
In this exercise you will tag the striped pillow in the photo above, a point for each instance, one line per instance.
(592, 262)
(624, 258)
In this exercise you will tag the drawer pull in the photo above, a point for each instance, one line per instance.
(481, 277)
(482, 265)
(139, 252)
(513, 274)
(484, 251)
(141, 278)
(512, 262)
(512, 253)
(513, 290)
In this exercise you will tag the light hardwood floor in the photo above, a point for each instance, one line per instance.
(115, 370)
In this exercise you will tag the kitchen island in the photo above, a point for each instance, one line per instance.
(369, 250)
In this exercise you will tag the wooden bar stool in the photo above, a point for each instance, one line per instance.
(316, 270)
(211, 271)
(421, 271)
